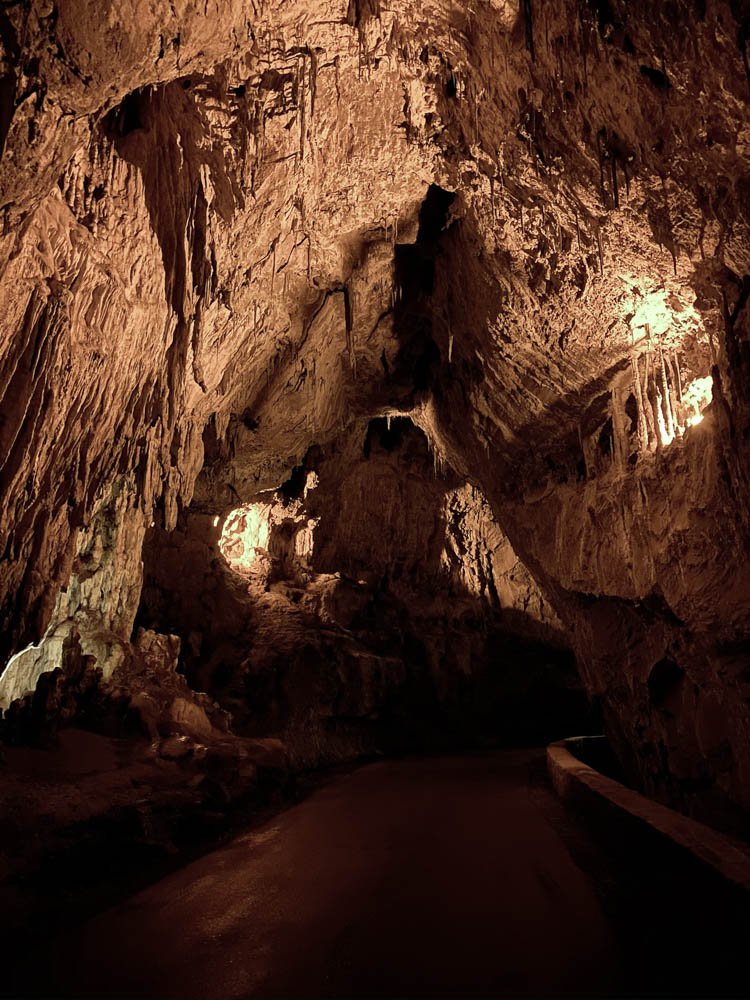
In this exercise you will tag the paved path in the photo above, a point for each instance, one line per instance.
(421, 877)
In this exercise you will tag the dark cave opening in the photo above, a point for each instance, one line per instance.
(389, 433)
(663, 683)
(127, 117)
(434, 213)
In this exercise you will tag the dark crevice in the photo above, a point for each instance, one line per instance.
(434, 213)
(8, 81)
(656, 77)
(387, 432)
(293, 487)
(359, 12)
(528, 19)
(419, 356)
(126, 118)
(663, 682)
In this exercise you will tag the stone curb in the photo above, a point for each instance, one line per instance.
(577, 782)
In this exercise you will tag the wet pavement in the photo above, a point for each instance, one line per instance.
(442, 876)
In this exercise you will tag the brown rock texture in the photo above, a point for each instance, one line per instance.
(371, 603)
(246, 243)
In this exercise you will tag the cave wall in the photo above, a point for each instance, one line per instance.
(403, 619)
(230, 231)
(132, 313)
(643, 547)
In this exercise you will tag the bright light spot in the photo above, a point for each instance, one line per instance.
(245, 536)
(22, 673)
(216, 521)
(666, 437)
(653, 313)
(276, 532)
(304, 540)
(695, 398)
(670, 344)
(698, 395)
(656, 312)
(311, 482)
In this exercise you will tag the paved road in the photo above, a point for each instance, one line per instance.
(421, 877)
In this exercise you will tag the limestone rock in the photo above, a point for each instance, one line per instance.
(235, 236)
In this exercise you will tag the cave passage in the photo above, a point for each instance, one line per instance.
(374, 387)
(425, 877)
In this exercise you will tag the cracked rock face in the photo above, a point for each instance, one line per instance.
(246, 243)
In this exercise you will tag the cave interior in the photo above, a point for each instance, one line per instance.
(374, 380)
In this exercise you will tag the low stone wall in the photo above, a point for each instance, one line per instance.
(647, 825)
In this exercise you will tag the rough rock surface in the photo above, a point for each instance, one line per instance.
(235, 233)
(381, 606)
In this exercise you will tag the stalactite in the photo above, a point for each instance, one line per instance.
(638, 393)
(666, 399)
(619, 430)
(349, 324)
(672, 244)
(655, 409)
(313, 81)
(600, 156)
(529, 25)
(615, 188)
(661, 423)
(302, 105)
(648, 411)
(677, 377)
(673, 371)
(584, 48)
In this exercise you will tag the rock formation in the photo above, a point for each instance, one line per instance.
(381, 355)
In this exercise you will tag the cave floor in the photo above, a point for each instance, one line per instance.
(441, 876)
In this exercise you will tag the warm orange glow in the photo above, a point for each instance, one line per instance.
(653, 315)
(669, 344)
(696, 398)
(656, 313)
(245, 536)
(248, 531)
